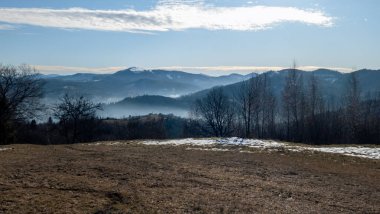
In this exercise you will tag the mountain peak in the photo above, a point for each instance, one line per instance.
(129, 70)
(136, 69)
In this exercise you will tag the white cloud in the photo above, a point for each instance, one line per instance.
(57, 69)
(223, 70)
(169, 15)
(236, 69)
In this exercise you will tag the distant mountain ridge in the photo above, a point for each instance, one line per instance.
(133, 82)
(332, 84)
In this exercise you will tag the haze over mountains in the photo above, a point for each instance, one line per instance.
(138, 92)
(133, 82)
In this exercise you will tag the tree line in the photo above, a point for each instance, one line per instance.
(73, 118)
(300, 114)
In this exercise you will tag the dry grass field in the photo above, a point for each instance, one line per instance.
(136, 178)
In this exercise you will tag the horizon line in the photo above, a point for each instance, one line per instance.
(206, 70)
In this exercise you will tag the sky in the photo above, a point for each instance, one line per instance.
(214, 37)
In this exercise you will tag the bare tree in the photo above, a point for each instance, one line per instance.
(316, 106)
(20, 92)
(75, 115)
(303, 105)
(217, 112)
(256, 105)
(292, 102)
(268, 108)
(244, 100)
(352, 99)
(253, 94)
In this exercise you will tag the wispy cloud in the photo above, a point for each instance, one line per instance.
(209, 70)
(169, 15)
(57, 69)
(222, 70)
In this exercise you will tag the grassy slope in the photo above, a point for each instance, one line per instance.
(133, 178)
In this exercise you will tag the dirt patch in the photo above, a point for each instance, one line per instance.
(135, 178)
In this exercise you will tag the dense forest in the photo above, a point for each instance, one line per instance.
(300, 114)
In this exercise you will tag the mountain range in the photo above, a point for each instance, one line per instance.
(332, 85)
(133, 82)
(137, 92)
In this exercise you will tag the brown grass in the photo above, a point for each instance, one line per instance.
(134, 178)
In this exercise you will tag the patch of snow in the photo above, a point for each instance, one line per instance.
(230, 144)
(187, 141)
(210, 149)
(105, 143)
(136, 69)
(364, 152)
(254, 143)
(233, 141)
(174, 95)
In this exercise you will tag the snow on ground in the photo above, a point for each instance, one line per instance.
(364, 152)
(211, 149)
(187, 141)
(230, 144)
(358, 151)
(233, 141)
(110, 143)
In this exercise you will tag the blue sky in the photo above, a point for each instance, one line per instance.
(213, 37)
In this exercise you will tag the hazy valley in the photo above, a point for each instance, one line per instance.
(140, 92)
